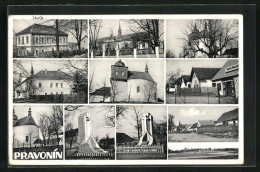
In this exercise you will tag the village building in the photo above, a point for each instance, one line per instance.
(44, 82)
(38, 38)
(229, 118)
(25, 130)
(183, 82)
(205, 123)
(226, 79)
(131, 86)
(125, 43)
(202, 77)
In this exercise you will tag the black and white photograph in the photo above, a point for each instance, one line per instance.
(203, 124)
(126, 38)
(202, 81)
(37, 132)
(52, 81)
(90, 132)
(202, 38)
(126, 81)
(54, 38)
(198, 151)
(141, 132)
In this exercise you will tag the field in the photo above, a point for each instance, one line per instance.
(204, 155)
(170, 98)
(121, 156)
(194, 137)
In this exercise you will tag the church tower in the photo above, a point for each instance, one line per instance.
(32, 71)
(119, 71)
(146, 68)
(119, 30)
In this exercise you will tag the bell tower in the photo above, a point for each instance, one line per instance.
(119, 72)
(119, 30)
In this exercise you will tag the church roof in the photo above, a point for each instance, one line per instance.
(28, 120)
(41, 30)
(139, 75)
(53, 75)
(222, 73)
(126, 37)
(119, 63)
(228, 116)
(204, 73)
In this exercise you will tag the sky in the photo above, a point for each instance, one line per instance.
(191, 114)
(175, 29)
(109, 25)
(186, 64)
(20, 25)
(22, 111)
(102, 70)
(97, 114)
(124, 125)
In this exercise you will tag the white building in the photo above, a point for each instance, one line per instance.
(229, 118)
(37, 39)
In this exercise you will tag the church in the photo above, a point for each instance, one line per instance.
(131, 86)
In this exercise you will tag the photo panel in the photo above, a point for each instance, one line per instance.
(126, 81)
(141, 132)
(50, 38)
(37, 132)
(89, 132)
(202, 81)
(50, 81)
(126, 38)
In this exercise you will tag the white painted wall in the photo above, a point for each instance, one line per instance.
(20, 133)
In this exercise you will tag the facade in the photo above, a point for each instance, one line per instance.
(37, 39)
(202, 77)
(229, 118)
(131, 86)
(227, 79)
(25, 131)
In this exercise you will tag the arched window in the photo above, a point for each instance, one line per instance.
(40, 84)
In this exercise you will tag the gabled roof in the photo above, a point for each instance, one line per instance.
(229, 116)
(139, 75)
(41, 30)
(52, 75)
(186, 79)
(126, 37)
(123, 138)
(103, 91)
(222, 72)
(204, 73)
(206, 122)
(28, 120)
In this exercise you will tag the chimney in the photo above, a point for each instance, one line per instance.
(45, 72)
(29, 112)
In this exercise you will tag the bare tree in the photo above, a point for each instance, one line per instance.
(56, 120)
(120, 110)
(137, 117)
(147, 30)
(44, 125)
(148, 91)
(211, 37)
(94, 29)
(115, 90)
(69, 129)
(170, 122)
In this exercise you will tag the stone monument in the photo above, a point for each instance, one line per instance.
(87, 144)
(147, 130)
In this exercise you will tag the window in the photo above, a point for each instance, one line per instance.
(42, 50)
(61, 93)
(45, 94)
(116, 73)
(64, 40)
(37, 40)
(60, 40)
(57, 93)
(27, 40)
(36, 52)
(47, 40)
(51, 85)
(19, 40)
(43, 40)
(23, 40)
(51, 93)
(40, 84)
(27, 52)
(57, 85)
(213, 84)
(123, 73)
(27, 139)
(61, 85)
(219, 86)
(138, 89)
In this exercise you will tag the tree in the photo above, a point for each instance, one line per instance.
(94, 29)
(56, 120)
(212, 36)
(115, 91)
(170, 54)
(173, 76)
(148, 91)
(137, 117)
(170, 122)
(44, 125)
(69, 137)
(147, 30)
(57, 36)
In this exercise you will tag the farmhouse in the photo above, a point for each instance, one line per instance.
(229, 118)
(205, 123)
(183, 82)
(37, 38)
(226, 79)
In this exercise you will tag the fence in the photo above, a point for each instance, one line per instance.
(61, 98)
(217, 129)
(200, 91)
(140, 150)
(100, 155)
(39, 149)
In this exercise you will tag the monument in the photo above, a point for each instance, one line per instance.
(86, 141)
(147, 130)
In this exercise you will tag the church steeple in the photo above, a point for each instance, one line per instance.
(119, 30)
(146, 68)
(32, 71)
